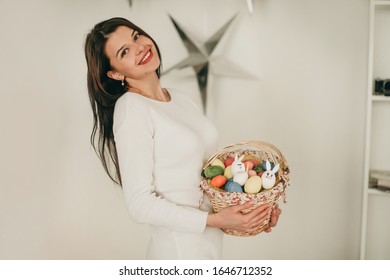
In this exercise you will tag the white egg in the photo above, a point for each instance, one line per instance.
(218, 162)
(228, 172)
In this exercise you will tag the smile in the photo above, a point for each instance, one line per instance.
(146, 58)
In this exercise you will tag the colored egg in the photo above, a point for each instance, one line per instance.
(218, 181)
(232, 186)
(248, 164)
(228, 161)
(218, 162)
(252, 173)
(212, 171)
(228, 172)
(264, 167)
(255, 160)
(253, 184)
(258, 168)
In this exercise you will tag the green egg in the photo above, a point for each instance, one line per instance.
(212, 171)
(258, 168)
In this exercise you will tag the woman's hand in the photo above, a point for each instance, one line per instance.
(274, 218)
(233, 218)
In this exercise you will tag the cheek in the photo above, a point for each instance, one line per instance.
(126, 65)
(156, 60)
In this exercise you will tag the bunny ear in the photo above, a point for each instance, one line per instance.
(235, 157)
(276, 168)
(241, 157)
(268, 165)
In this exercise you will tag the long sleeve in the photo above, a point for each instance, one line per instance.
(134, 138)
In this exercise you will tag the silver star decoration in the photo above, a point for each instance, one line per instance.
(200, 58)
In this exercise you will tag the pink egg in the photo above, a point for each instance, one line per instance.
(252, 173)
(248, 164)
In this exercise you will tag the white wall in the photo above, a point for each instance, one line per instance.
(310, 58)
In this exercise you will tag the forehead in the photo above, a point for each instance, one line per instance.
(117, 39)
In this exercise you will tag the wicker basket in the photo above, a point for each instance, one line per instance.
(260, 151)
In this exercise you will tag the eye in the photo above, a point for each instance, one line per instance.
(124, 52)
(136, 36)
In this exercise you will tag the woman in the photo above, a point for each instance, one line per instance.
(157, 140)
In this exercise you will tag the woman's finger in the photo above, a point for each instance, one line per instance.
(268, 229)
(258, 210)
(275, 216)
(244, 206)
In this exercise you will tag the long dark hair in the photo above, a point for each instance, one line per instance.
(104, 91)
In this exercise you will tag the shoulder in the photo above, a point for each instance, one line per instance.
(130, 101)
(130, 107)
(131, 104)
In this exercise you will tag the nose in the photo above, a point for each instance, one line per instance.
(139, 48)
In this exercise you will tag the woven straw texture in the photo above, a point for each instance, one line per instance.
(261, 151)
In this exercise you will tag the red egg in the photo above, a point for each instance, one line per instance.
(218, 181)
(255, 162)
(228, 161)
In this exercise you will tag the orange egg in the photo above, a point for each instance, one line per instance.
(218, 181)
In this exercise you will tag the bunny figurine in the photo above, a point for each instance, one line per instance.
(237, 165)
(239, 172)
(241, 177)
(268, 177)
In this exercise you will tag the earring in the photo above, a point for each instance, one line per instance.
(123, 82)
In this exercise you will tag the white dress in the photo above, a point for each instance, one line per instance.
(161, 150)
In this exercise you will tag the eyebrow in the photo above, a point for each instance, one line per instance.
(119, 50)
(124, 45)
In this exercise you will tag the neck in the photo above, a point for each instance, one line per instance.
(150, 89)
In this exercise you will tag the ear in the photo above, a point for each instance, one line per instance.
(276, 168)
(115, 75)
(241, 157)
(268, 165)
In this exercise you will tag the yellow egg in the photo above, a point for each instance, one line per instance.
(253, 184)
(228, 172)
(218, 162)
